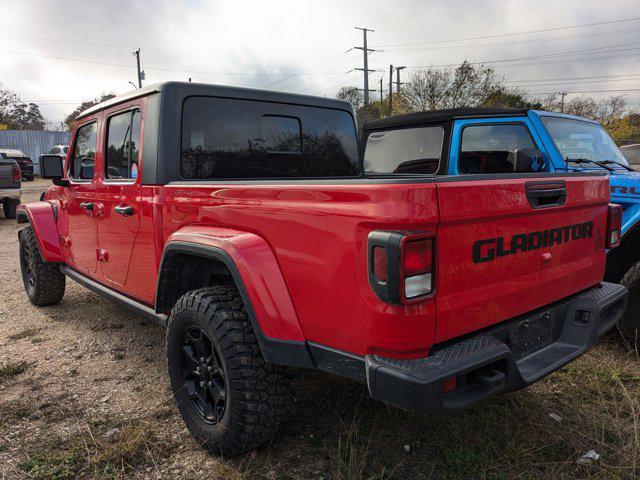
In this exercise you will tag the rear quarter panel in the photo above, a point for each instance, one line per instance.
(318, 232)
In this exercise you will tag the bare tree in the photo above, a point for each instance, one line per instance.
(465, 86)
(428, 89)
(612, 109)
(353, 95)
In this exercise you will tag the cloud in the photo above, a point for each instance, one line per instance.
(252, 43)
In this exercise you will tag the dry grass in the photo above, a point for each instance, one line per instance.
(104, 451)
(26, 333)
(12, 369)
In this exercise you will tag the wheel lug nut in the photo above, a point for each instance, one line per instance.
(202, 384)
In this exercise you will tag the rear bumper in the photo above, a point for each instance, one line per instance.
(507, 357)
(10, 193)
(26, 170)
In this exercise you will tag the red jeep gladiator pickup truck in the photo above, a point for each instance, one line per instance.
(244, 222)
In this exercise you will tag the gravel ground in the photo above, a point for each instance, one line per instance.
(84, 394)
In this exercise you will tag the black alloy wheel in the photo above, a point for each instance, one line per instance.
(205, 380)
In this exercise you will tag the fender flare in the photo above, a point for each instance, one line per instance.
(257, 275)
(43, 218)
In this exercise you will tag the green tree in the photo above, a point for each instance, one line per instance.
(70, 119)
(8, 100)
(26, 117)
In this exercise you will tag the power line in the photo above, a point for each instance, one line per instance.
(161, 68)
(614, 49)
(295, 79)
(307, 69)
(574, 78)
(162, 52)
(512, 42)
(501, 35)
(579, 82)
(536, 57)
(325, 81)
(591, 91)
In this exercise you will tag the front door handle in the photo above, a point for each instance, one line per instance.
(124, 210)
(88, 206)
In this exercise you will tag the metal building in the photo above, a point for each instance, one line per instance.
(33, 142)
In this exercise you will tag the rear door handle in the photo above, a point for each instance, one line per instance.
(88, 206)
(124, 210)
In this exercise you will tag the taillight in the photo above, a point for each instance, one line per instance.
(380, 263)
(415, 275)
(17, 175)
(614, 225)
(400, 265)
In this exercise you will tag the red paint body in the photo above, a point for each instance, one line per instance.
(301, 249)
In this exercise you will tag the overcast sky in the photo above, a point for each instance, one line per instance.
(308, 44)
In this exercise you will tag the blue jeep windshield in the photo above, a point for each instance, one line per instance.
(576, 139)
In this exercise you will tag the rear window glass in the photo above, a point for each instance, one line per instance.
(226, 138)
(495, 149)
(123, 144)
(409, 150)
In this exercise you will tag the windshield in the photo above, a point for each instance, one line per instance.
(576, 139)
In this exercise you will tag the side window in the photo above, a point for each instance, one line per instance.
(226, 138)
(281, 134)
(84, 152)
(409, 150)
(55, 150)
(123, 143)
(499, 149)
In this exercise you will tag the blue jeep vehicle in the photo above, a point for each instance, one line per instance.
(503, 142)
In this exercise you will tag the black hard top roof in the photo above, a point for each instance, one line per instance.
(204, 89)
(433, 116)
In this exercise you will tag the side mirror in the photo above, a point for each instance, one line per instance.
(51, 167)
(528, 160)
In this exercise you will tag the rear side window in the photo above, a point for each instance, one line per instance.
(54, 150)
(84, 152)
(494, 149)
(228, 139)
(123, 144)
(410, 150)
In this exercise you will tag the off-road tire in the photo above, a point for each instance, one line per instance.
(43, 282)
(9, 207)
(631, 280)
(255, 390)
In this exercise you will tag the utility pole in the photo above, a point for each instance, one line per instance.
(381, 90)
(365, 70)
(562, 94)
(398, 82)
(140, 72)
(390, 89)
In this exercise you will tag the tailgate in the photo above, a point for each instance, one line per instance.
(509, 246)
(6, 174)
